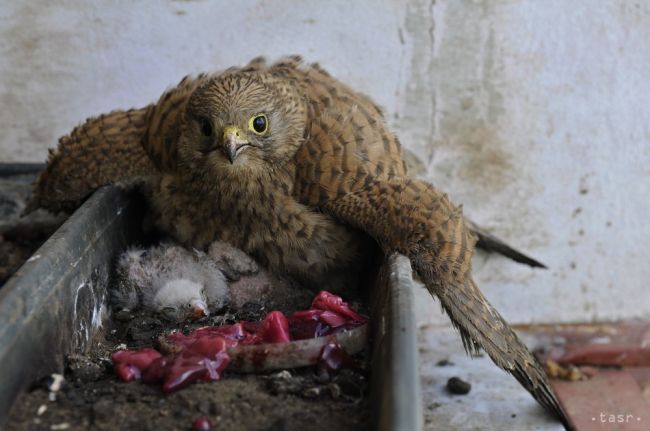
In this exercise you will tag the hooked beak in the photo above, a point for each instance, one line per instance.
(233, 142)
(198, 309)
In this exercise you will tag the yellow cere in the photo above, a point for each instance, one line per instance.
(233, 131)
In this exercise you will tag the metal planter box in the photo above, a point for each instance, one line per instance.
(57, 299)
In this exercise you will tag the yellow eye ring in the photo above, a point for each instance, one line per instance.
(258, 124)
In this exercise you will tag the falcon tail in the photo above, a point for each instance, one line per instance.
(481, 326)
(413, 218)
(490, 243)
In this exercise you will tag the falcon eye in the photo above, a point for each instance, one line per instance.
(206, 127)
(259, 124)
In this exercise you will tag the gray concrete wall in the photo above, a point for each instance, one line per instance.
(533, 114)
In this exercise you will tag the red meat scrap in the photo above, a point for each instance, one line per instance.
(202, 356)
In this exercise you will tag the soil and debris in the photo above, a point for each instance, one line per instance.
(20, 237)
(569, 372)
(92, 397)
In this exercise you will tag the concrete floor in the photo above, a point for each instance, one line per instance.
(495, 396)
(496, 401)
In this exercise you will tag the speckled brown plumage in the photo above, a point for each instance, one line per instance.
(104, 150)
(305, 196)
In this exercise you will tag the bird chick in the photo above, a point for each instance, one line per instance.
(170, 280)
(232, 261)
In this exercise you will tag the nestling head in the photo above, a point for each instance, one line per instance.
(181, 299)
(242, 121)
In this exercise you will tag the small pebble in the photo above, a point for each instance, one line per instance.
(313, 392)
(61, 426)
(458, 386)
(41, 409)
(201, 424)
(83, 369)
(53, 382)
(335, 391)
(444, 363)
(284, 375)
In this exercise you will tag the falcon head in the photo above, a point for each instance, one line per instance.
(243, 122)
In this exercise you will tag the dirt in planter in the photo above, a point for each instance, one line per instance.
(92, 397)
(19, 241)
(20, 236)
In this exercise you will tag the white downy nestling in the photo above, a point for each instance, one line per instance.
(170, 280)
(179, 299)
